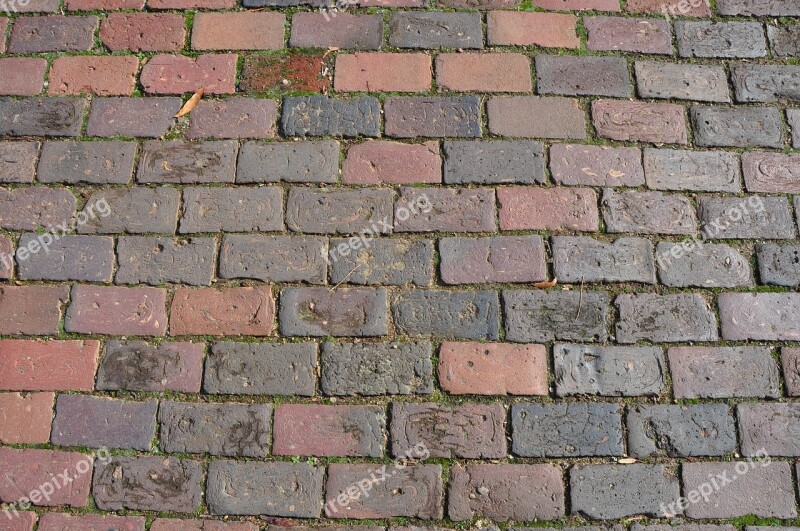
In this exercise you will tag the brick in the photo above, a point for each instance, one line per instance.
(90, 522)
(156, 261)
(676, 8)
(790, 361)
(214, 209)
(135, 211)
(433, 117)
(308, 161)
(483, 72)
(6, 257)
(77, 75)
(447, 314)
(383, 72)
(187, 162)
(33, 208)
(25, 520)
(117, 311)
(493, 369)
(371, 369)
(238, 31)
(386, 261)
(321, 115)
(376, 162)
(143, 32)
(321, 211)
(641, 35)
(33, 365)
(474, 431)
(479, 4)
(720, 39)
(794, 125)
(139, 366)
(191, 4)
(227, 311)
(18, 161)
(31, 310)
(52, 34)
(766, 83)
(709, 266)
(414, 491)
(537, 316)
(261, 369)
(774, 8)
(137, 117)
(280, 73)
(777, 264)
(216, 429)
(608, 371)
(785, 40)
(105, 5)
(710, 171)
(731, 217)
(3, 31)
(664, 318)
(493, 162)
(82, 258)
(647, 212)
(536, 117)
(41, 116)
(177, 74)
(21, 76)
(344, 312)
(506, 492)
(577, 76)
(580, 259)
(639, 121)
(767, 316)
(233, 118)
(97, 422)
(174, 524)
(431, 30)
(272, 489)
(575, 164)
(24, 471)
(493, 259)
(450, 210)
(344, 31)
(723, 372)
(273, 258)
(86, 162)
(764, 490)
(768, 428)
(682, 81)
(26, 418)
(548, 209)
(148, 484)
(319, 430)
(578, 5)
(567, 430)
(548, 30)
(681, 431)
(608, 492)
(771, 172)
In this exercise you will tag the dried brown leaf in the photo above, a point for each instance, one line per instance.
(626, 461)
(191, 103)
(545, 285)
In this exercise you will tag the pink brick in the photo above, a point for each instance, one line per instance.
(104, 5)
(21, 76)
(25, 419)
(143, 32)
(637, 121)
(575, 164)
(238, 31)
(177, 74)
(23, 471)
(101, 76)
(191, 4)
(31, 310)
(548, 209)
(22, 521)
(376, 162)
(173, 524)
(674, 8)
(229, 311)
(483, 72)
(578, 5)
(628, 34)
(35, 365)
(90, 522)
(233, 118)
(118, 311)
(383, 72)
(493, 369)
(518, 28)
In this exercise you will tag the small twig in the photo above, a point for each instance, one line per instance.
(345, 278)
(580, 300)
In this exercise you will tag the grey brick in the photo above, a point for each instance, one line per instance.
(769, 428)
(54, 33)
(574, 164)
(376, 368)
(447, 210)
(18, 161)
(493, 162)
(677, 169)
(336, 29)
(291, 162)
(720, 39)
(582, 259)
(754, 217)
(340, 312)
(83, 258)
(36, 207)
(766, 83)
(794, 124)
(540, 316)
(681, 431)
(664, 318)
(156, 261)
(447, 314)
(188, 162)
(647, 212)
(139, 366)
(428, 30)
(86, 162)
(150, 117)
(274, 258)
(135, 211)
(772, 8)
(723, 372)
(321, 115)
(41, 116)
(738, 127)
(657, 79)
(567, 430)
(583, 76)
(769, 316)
(232, 209)
(709, 266)
(785, 40)
(387, 261)
(339, 211)
(503, 259)
(683, 527)
(433, 117)
(778, 264)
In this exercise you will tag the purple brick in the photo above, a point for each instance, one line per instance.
(87, 162)
(83, 258)
(137, 117)
(723, 372)
(764, 316)
(574, 164)
(18, 161)
(665, 318)
(642, 35)
(41, 116)
(52, 34)
(647, 212)
(720, 39)
(138, 366)
(494, 259)
(233, 118)
(31, 208)
(770, 429)
(187, 162)
(445, 209)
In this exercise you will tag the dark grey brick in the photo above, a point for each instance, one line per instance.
(720, 39)
(340, 312)
(339, 211)
(467, 260)
(608, 371)
(41, 116)
(766, 83)
(567, 430)
(647, 212)
(36, 207)
(657, 79)
(779, 265)
(664, 318)
(54, 33)
(582, 259)
(723, 372)
(446, 210)
(138, 366)
(18, 161)
(539, 316)
(677, 169)
(291, 162)
(770, 428)
(493, 162)
(321, 115)
(274, 258)
(680, 431)
(84, 258)
(150, 117)
(155, 261)
(447, 314)
(709, 266)
(188, 162)
(135, 211)
(232, 209)
(785, 40)
(772, 8)
(433, 117)
(754, 217)
(428, 30)
(86, 162)
(376, 368)
(769, 316)
(738, 127)
(386, 261)
(583, 76)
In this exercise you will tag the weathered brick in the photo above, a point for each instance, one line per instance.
(493, 369)
(664, 318)
(143, 32)
(493, 162)
(148, 484)
(790, 361)
(709, 171)
(538, 316)
(3, 30)
(227, 311)
(640, 121)
(777, 264)
(608, 371)
(261, 369)
(98, 422)
(446, 209)
(281, 73)
(769, 428)
(766, 83)
(321, 115)
(433, 117)
(90, 522)
(383, 72)
(41, 116)
(548, 209)
(682, 81)
(106, 5)
(138, 366)
(84, 258)
(580, 76)
(775, 8)
(536, 117)
(376, 162)
(33, 365)
(156, 261)
(308, 429)
(26, 419)
(34, 208)
(272, 489)
(238, 31)
(343, 30)
(506, 492)
(420, 29)
(117, 311)
(681, 431)
(273, 258)
(309, 161)
(233, 118)
(135, 210)
(675, 8)
(386, 261)
(575, 164)
(478, 4)
(6, 257)
(343, 312)
(709, 266)
(136, 117)
(493, 259)
(321, 211)
(765, 316)
(52, 34)
(641, 35)
(647, 212)
(86, 162)
(582, 259)
(31, 310)
(376, 368)
(720, 39)
(187, 162)
(785, 40)
(23, 520)
(519, 28)
(755, 217)
(578, 5)
(771, 172)
(78, 75)
(191, 4)
(474, 431)
(211, 209)
(18, 161)
(177, 74)
(723, 372)
(447, 314)
(483, 72)
(24, 471)
(608, 492)
(414, 491)
(174, 524)
(21, 76)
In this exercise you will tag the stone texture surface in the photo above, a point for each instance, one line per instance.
(139, 366)
(575, 164)
(497, 259)
(710, 171)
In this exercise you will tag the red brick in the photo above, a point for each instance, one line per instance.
(117, 311)
(191, 4)
(548, 209)
(628, 34)
(25, 419)
(477, 4)
(230, 311)
(238, 31)
(578, 5)
(143, 32)
(383, 72)
(536, 117)
(637, 121)
(483, 72)
(3, 31)
(104, 5)
(675, 8)
(34, 365)
(518, 28)
(177, 74)
(233, 118)
(284, 72)
(101, 76)
(22, 521)
(173, 524)
(493, 369)
(31, 310)
(21, 76)
(23, 471)
(376, 162)
(90, 522)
